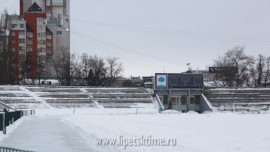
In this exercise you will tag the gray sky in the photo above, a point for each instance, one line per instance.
(155, 35)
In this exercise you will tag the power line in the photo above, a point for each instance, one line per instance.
(101, 46)
(186, 34)
(125, 50)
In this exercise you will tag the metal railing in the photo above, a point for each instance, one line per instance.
(8, 118)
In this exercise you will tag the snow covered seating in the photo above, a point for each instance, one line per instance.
(224, 97)
(40, 97)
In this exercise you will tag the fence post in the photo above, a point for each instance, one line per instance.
(4, 124)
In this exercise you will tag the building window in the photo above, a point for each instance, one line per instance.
(29, 50)
(49, 52)
(29, 42)
(13, 41)
(183, 100)
(175, 100)
(13, 25)
(42, 58)
(21, 33)
(13, 34)
(41, 50)
(41, 34)
(13, 50)
(21, 41)
(40, 19)
(197, 99)
(49, 37)
(21, 26)
(21, 72)
(41, 42)
(29, 34)
(192, 100)
(22, 57)
(59, 32)
(49, 44)
(21, 48)
(41, 27)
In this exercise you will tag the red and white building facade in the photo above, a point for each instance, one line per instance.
(36, 36)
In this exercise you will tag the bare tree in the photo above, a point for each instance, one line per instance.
(234, 66)
(6, 76)
(267, 72)
(85, 65)
(66, 66)
(227, 73)
(98, 71)
(114, 70)
(260, 69)
(239, 60)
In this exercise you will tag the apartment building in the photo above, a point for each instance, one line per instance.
(38, 36)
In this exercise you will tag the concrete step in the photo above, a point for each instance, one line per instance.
(66, 95)
(117, 90)
(227, 100)
(124, 100)
(233, 91)
(118, 105)
(13, 95)
(13, 88)
(239, 95)
(65, 90)
(117, 95)
(16, 101)
(68, 101)
(72, 105)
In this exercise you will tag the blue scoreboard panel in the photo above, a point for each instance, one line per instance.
(166, 81)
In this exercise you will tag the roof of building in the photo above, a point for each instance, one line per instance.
(35, 8)
(29, 29)
(48, 31)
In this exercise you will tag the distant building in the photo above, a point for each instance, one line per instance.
(137, 81)
(119, 82)
(148, 81)
(37, 36)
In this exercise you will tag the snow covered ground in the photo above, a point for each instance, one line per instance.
(69, 130)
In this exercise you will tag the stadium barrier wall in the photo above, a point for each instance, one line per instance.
(9, 118)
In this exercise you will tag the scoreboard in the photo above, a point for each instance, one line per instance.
(167, 81)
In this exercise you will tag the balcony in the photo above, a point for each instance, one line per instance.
(55, 23)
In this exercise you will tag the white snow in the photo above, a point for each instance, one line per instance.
(194, 132)
(209, 132)
(35, 96)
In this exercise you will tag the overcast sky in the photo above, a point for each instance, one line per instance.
(152, 36)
